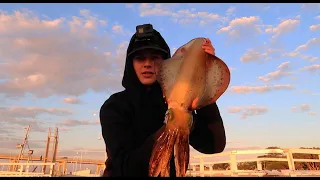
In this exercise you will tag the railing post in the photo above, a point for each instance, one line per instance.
(27, 168)
(21, 169)
(194, 168)
(211, 169)
(259, 165)
(290, 163)
(290, 160)
(201, 167)
(233, 164)
(51, 170)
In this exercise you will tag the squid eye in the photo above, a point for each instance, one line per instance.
(168, 115)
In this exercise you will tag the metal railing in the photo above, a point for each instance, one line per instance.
(24, 170)
(233, 162)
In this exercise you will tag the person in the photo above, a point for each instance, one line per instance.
(132, 120)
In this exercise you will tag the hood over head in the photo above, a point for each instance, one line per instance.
(130, 80)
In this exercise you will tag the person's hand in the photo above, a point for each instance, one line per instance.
(207, 47)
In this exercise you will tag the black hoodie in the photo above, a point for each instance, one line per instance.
(132, 119)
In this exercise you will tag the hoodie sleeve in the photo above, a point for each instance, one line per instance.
(118, 136)
(208, 135)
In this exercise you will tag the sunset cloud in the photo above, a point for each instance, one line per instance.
(312, 68)
(74, 122)
(11, 143)
(304, 108)
(72, 100)
(315, 27)
(181, 16)
(16, 117)
(247, 111)
(300, 50)
(284, 27)
(117, 29)
(260, 89)
(254, 55)
(242, 27)
(280, 73)
(45, 57)
(312, 113)
(234, 109)
(31, 112)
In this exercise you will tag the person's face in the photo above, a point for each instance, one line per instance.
(145, 66)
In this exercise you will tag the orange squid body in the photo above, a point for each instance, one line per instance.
(191, 79)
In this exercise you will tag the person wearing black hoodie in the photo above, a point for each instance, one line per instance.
(132, 120)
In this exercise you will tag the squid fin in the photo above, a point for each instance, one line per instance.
(217, 81)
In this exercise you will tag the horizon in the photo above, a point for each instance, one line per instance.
(60, 62)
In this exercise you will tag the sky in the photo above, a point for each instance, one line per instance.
(60, 62)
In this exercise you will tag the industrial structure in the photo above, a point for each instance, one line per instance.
(50, 164)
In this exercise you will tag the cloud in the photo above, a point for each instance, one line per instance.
(306, 91)
(252, 55)
(312, 114)
(31, 112)
(303, 108)
(285, 26)
(9, 130)
(60, 56)
(16, 117)
(182, 16)
(312, 43)
(234, 109)
(71, 100)
(11, 143)
(231, 11)
(260, 89)
(117, 29)
(283, 86)
(309, 58)
(310, 92)
(147, 9)
(312, 68)
(252, 110)
(73, 123)
(315, 27)
(276, 74)
(243, 27)
(284, 65)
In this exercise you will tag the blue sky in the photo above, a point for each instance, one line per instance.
(60, 62)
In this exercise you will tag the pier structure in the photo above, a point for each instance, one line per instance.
(200, 167)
